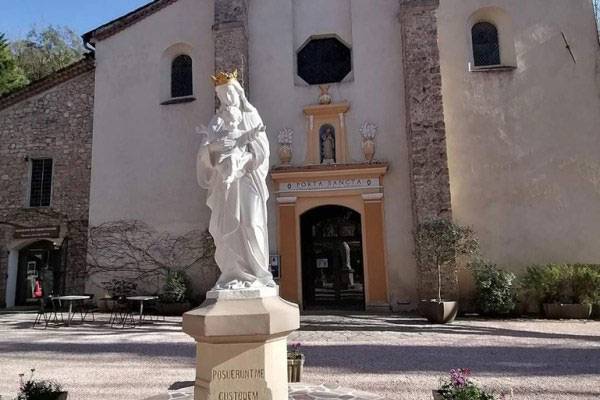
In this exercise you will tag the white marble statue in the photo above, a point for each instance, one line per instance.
(233, 163)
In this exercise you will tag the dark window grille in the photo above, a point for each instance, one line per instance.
(41, 183)
(182, 76)
(325, 60)
(486, 47)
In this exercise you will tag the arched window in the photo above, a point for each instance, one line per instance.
(486, 46)
(182, 76)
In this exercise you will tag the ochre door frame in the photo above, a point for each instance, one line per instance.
(370, 208)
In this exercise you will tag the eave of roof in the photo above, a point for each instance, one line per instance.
(121, 23)
(71, 71)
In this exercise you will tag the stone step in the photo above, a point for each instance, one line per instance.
(298, 391)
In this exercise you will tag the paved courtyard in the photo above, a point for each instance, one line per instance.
(396, 357)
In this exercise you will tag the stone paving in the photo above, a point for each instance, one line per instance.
(389, 355)
(297, 391)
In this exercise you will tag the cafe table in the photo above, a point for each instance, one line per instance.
(70, 300)
(141, 300)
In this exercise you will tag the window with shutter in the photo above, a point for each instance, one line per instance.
(486, 46)
(182, 76)
(41, 183)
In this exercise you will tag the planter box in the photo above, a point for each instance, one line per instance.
(437, 395)
(595, 311)
(62, 396)
(295, 368)
(438, 313)
(568, 311)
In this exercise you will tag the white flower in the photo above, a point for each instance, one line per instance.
(285, 136)
(368, 130)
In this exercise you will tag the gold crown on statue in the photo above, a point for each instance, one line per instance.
(224, 78)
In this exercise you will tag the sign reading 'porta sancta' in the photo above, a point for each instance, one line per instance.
(329, 184)
(38, 232)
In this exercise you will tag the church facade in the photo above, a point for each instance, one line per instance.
(379, 116)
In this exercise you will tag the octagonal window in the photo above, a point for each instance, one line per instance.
(324, 60)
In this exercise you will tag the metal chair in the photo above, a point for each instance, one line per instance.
(48, 312)
(152, 309)
(121, 313)
(89, 307)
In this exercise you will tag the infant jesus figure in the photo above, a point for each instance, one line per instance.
(228, 151)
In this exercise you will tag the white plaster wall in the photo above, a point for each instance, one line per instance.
(321, 17)
(524, 145)
(144, 153)
(376, 94)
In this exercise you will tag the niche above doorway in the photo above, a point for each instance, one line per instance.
(326, 136)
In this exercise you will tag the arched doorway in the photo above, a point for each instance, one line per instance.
(38, 260)
(332, 259)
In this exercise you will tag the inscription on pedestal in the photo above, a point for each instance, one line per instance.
(239, 384)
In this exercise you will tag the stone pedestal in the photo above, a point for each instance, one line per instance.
(241, 338)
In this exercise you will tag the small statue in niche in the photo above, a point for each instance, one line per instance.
(327, 136)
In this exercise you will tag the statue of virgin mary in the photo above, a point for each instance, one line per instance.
(233, 163)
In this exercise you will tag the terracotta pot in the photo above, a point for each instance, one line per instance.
(568, 311)
(438, 312)
(285, 154)
(368, 147)
(437, 395)
(295, 367)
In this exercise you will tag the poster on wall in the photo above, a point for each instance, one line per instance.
(274, 266)
(32, 272)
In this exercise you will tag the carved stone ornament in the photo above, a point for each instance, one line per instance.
(285, 137)
(368, 132)
(324, 97)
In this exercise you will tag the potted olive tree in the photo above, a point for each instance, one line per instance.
(439, 242)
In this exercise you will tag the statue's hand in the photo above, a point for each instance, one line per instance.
(221, 145)
(228, 143)
(253, 134)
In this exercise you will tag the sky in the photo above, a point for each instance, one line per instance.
(17, 17)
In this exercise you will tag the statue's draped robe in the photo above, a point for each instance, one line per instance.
(238, 221)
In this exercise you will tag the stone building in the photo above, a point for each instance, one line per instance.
(45, 160)
(380, 115)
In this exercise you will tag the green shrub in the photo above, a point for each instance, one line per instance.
(563, 283)
(176, 289)
(496, 292)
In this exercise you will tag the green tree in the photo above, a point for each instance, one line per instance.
(596, 6)
(11, 76)
(43, 52)
(440, 241)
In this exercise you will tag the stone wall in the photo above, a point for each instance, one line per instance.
(231, 38)
(56, 123)
(430, 183)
